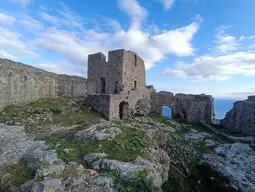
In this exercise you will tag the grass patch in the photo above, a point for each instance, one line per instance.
(17, 175)
(125, 147)
(40, 115)
(140, 183)
(160, 118)
(214, 136)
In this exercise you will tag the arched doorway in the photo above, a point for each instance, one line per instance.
(167, 112)
(124, 110)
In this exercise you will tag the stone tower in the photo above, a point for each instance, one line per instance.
(124, 71)
(119, 83)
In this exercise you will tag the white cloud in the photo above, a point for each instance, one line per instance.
(6, 55)
(167, 3)
(64, 34)
(10, 40)
(65, 43)
(215, 68)
(134, 10)
(70, 18)
(23, 3)
(152, 48)
(177, 41)
(64, 67)
(225, 43)
(31, 24)
(43, 8)
(246, 38)
(6, 19)
(49, 18)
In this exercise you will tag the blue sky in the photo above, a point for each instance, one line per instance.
(189, 46)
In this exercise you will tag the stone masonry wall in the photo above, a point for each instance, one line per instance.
(193, 108)
(241, 118)
(111, 71)
(134, 72)
(21, 83)
(100, 103)
(73, 86)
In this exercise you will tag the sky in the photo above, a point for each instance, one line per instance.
(189, 46)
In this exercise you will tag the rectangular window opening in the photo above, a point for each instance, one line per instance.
(102, 85)
(135, 61)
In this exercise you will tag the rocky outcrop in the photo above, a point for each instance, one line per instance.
(236, 162)
(157, 171)
(192, 108)
(66, 177)
(241, 118)
(100, 131)
(14, 143)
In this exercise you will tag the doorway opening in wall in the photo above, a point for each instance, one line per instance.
(167, 112)
(102, 85)
(123, 110)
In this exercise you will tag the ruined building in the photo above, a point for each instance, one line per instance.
(116, 88)
(120, 88)
(121, 92)
(192, 108)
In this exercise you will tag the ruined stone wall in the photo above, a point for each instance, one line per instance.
(73, 86)
(241, 118)
(196, 112)
(21, 83)
(132, 99)
(193, 108)
(100, 103)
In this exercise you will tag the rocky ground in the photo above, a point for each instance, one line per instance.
(58, 145)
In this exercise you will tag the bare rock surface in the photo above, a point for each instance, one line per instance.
(65, 177)
(101, 131)
(14, 143)
(236, 162)
(130, 170)
(90, 158)
(197, 136)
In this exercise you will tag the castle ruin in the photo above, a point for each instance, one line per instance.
(116, 88)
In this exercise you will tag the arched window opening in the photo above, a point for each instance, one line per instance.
(167, 112)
